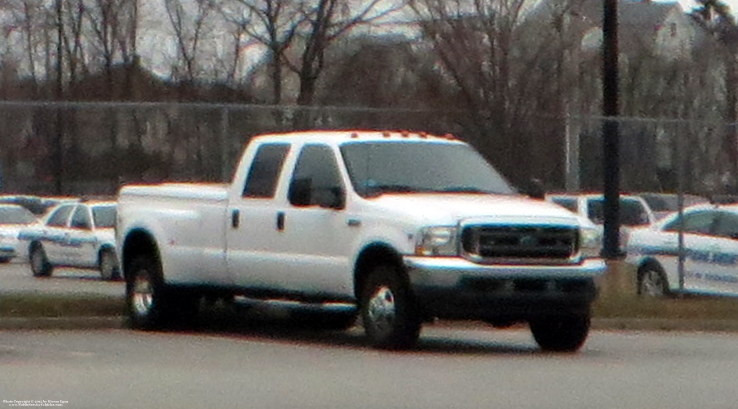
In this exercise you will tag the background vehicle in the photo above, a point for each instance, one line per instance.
(12, 219)
(662, 204)
(38, 205)
(634, 211)
(74, 234)
(399, 227)
(710, 252)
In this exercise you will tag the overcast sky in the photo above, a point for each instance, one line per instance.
(688, 5)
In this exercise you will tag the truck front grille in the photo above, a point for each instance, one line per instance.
(519, 244)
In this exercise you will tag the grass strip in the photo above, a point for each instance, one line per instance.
(52, 305)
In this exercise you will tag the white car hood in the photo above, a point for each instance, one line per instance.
(451, 208)
(10, 230)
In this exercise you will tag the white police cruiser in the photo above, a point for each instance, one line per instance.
(709, 246)
(74, 234)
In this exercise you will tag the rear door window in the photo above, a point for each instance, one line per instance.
(81, 218)
(696, 223)
(60, 216)
(316, 176)
(266, 167)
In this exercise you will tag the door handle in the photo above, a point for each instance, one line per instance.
(280, 221)
(235, 218)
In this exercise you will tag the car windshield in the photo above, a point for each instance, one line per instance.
(567, 202)
(383, 167)
(16, 215)
(632, 212)
(670, 202)
(104, 216)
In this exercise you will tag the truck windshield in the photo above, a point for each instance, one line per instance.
(376, 168)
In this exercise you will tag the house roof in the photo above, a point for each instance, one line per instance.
(642, 14)
(638, 20)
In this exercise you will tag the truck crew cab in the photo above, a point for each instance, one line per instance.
(404, 227)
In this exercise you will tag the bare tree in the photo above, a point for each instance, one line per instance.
(717, 18)
(113, 25)
(326, 21)
(188, 21)
(271, 23)
(503, 83)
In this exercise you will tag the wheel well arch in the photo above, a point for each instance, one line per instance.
(104, 248)
(138, 243)
(372, 255)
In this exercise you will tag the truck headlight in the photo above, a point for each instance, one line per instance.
(437, 241)
(590, 242)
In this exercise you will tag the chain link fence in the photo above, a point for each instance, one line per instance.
(92, 148)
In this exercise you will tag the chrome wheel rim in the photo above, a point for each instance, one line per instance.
(652, 284)
(143, 294)
(381, 310)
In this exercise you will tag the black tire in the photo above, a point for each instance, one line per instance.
(150, 303)
(652, 282)
(388, 309)
(561, 333)
(4, 260)
(40, 265)
(107, 264)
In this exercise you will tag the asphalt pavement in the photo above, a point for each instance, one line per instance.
(269, 367)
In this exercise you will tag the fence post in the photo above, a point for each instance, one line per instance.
(224, 146)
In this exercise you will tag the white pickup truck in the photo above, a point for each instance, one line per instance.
(403, 227)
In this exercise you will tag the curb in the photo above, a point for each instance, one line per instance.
(622, 324)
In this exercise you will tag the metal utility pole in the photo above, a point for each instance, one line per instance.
(58, 161)
(611, 131)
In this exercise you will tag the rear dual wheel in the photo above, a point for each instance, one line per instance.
(561, 333)
(151, 304)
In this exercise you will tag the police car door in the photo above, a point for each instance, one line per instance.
(724, 261)
(698, 246)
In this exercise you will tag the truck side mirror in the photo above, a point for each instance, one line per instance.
(535, 189)
(329, 197)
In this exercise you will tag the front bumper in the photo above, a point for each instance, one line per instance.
(452, 287)
(7, 252)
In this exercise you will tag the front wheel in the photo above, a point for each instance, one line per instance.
(561, 333)
(40, 265)
(388, 310)
(108, 265)
(652, 282)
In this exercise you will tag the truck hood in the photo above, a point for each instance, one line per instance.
(451, 208)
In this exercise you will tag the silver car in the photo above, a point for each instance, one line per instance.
(12, 219)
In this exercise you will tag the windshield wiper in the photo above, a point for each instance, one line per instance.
(378, 190)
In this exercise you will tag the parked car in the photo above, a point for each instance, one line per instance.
(38, 205)
(74, 234)
(12, 219)
(634, 211)
(710, 246)
(662, 204)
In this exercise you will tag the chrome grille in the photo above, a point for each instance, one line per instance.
(492, 243)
